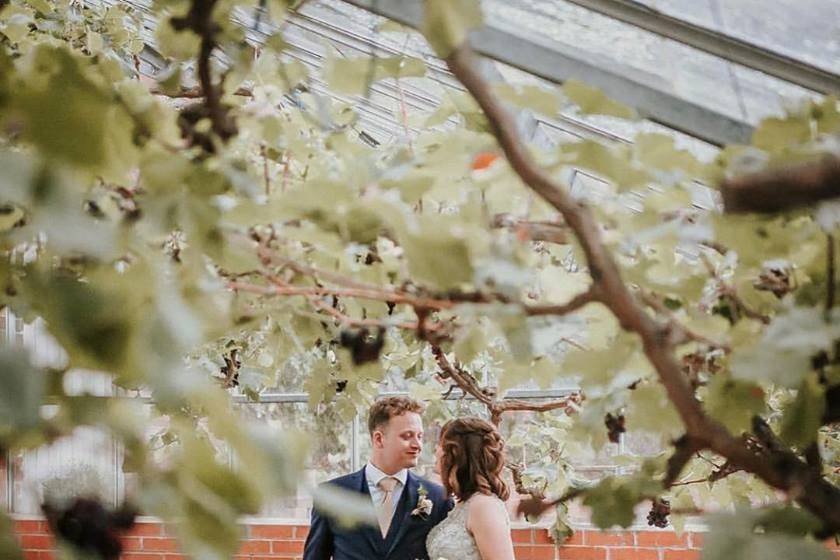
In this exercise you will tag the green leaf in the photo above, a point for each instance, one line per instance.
(346, 507)
(660, 152)
(352, 75)
(412, 185)
(649, 409)
(591, 100)
(43, 6)
(612, 162)
(783, 355)
(735, 536)
(827, 114)
(94, 323)
(803, 417)
(788, 520)
(542, 100)
(21, 393)
(560, 530)
(774, 135)
(63, 110)
(180, 45)
(733, 403)
(469, 342)
(16, 22)
(613, 500)
(447, 22)
(9, 548)
(438, 253)
(598, 367)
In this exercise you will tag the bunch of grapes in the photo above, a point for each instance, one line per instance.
(362, 346)
(88, 526)
(615, 427)
(659, 512)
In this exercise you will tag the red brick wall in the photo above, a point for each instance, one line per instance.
(150, 541)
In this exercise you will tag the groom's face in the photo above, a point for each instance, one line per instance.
(398, 443)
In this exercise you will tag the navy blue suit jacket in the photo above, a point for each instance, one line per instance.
(406, 539)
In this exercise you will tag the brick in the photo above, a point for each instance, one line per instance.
(301, 532)
(575, 540)
(36, 555)
(272, 531)
(695, 540)
(146, 530)
(30, 526)
(176, 557)
(582, 553)
(132, 544)
(37, 542)
(255, 547)
(633, 554)
(151, 544)
(542, 536)
(535, 552)
(681, 555)
(661, 538)
(141, 556)
(609, 538)
(523, 536)
(287, 546)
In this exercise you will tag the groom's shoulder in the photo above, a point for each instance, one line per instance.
(344, 481)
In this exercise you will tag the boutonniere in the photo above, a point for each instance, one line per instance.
(424, 504)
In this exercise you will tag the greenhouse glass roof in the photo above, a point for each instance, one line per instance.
(709, 69)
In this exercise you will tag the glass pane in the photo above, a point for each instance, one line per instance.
(330, 451)
(160, 446)
(81, 464)
(43, 347)
(650, 59)
(11, 328)
(804, 29)
(537, 443)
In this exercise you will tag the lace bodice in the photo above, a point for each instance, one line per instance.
(450, 538)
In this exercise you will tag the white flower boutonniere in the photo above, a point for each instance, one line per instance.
(424, 504)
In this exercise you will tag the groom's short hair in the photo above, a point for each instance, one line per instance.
(387, 407)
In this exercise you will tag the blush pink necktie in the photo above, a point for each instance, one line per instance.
(385, 508)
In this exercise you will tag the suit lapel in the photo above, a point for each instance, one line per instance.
(371, 533)
(400, 522)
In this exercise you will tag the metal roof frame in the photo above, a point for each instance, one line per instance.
(654, 98)
(722, 45)
(541, 59)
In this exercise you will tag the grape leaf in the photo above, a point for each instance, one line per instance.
(447, 22)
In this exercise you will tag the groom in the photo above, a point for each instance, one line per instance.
(407, 506)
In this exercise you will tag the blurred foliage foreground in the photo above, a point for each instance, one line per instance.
(220, 226)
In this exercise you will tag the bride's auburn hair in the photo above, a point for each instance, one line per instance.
(473, 458)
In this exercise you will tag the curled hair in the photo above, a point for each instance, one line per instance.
(473, 457)
(387, 407)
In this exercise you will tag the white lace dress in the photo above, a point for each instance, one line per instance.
(450, 538)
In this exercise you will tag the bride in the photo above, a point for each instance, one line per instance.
(470, 460)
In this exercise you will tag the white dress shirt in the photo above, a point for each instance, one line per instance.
(374, 475)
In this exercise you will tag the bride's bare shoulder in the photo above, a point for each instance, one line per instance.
(484, 504)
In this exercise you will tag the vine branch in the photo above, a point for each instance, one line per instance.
(777, 190)
(830, 272)
(497, 407)
(200, 20)
(780, 467)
